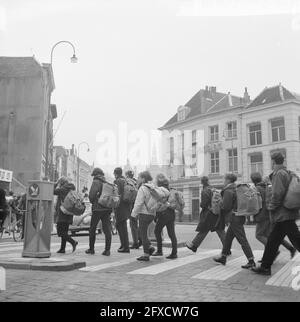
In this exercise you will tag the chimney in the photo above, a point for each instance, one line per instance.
(230, 99)
(246, 96)
(72, 150)
(213, 89)
(281, 92)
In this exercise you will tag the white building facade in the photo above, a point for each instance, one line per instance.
(217, 133)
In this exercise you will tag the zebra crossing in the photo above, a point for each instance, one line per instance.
(283, 276)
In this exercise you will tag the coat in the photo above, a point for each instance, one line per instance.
(143, 196)
(95, 193)
(264, 213)
(207, 220)
(280, 182)
(123, 211)
(61, 193)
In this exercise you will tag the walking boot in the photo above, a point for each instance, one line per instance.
(221, 259)
(143, 258)
(90, 251)
(191, 247)
(157, 253)
(251, 264)
(293, 252)
(134, 246)
(74, 245)
(61, 251)
(172, 256)
(151, 250)
(123, 250)
(106, 253)
(261, 270)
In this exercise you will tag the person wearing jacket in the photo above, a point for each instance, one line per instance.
(136, 239)
(262, 219)
(236, 223)
(208, 220)
(122, 212)
(99, 213)
(145, 216)
(283, 219)
(165, 218)
(61, 188)
(3, 207)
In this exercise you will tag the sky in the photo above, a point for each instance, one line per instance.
(138, 60)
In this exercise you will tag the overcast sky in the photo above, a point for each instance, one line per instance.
(139, 60)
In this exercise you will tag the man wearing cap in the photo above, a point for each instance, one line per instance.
(284, 220)
(99, 212)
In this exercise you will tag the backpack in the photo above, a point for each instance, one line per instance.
(109, 197)
(158, 201)
(249, 201)
(130, 191)
(292, 197)
(73, 204)
(216, 201)
(268, 195)
(176, 200)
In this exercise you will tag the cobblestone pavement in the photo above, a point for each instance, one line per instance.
(193, 277)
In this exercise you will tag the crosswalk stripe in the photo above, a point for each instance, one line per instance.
(222, 273)
(284, 276)
(166, 266)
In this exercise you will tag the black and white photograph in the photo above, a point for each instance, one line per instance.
(149, 155)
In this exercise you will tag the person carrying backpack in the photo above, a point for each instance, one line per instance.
(208, 220)
(136, 239)
(99, 212)
(283, 219)
(122, 212)
(262, 219)
(236, 223)
(144, 215)
(61, 188)
(165, 218)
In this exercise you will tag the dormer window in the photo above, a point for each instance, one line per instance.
(182, 113)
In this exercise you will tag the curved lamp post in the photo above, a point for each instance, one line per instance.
(74, 58)
(88, 150)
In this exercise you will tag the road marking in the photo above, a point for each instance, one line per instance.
(222, 273)
(284, 277)
(168, 265)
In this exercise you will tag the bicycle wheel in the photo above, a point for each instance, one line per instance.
(18, 231)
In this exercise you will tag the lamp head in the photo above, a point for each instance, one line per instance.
(74, 59)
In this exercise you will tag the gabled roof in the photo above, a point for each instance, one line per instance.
(19, 67)
(207, 101)
(273, 95)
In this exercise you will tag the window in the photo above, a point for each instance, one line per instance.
(171, 150)
(256, 163)
(181, 115)
(214, 163)
(195, 193)
(232, 160)
(299, 126)
(255, 136)
(214, 133)
(231, 130)
(182, 148)
(194, 148)
(278, 130)
(194, 136)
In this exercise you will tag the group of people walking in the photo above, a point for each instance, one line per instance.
(273, 221)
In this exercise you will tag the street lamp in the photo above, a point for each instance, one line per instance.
(74, 59)
(88, 150)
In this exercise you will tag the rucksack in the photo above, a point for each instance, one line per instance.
(109, 197)
(73, 204)
(158, 201)
(292, 197)
(216, 201)
(130, 191)
(176, 200)
(249, 201)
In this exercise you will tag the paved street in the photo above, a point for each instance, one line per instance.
(192, 277)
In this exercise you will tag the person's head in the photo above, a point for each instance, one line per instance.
(144, 177)
(118, 172)
(62, 181)
(129, 174)
(162, 180)
(256, 177)
(229, 178)
(204, 181)
(11, 193)
(277, 158)
(97, 172)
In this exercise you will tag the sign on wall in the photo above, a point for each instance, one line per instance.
(6, 175)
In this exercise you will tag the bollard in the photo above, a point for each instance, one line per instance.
(38, 219)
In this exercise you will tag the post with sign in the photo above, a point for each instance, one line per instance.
(38, 220)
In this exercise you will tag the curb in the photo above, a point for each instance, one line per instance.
(55, 267)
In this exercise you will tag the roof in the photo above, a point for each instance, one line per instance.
(273, 95)
(19, 67)
(208, 101)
